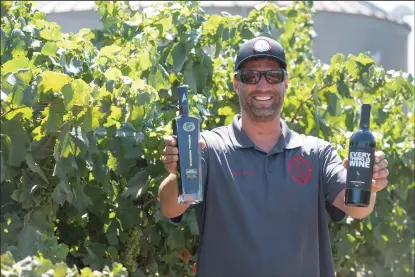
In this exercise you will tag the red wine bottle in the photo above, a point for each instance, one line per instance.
(362, 147)
(186, 128)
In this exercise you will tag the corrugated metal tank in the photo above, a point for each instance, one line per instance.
(353, 34)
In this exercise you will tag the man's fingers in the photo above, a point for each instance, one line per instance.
(170, 158)
(379, 156)
(170, 163)
(381, 174)
(170, 150)
(171, 167)
(169, 141)
(380, 165)
(378, 185)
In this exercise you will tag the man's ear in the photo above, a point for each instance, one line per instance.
(286, 81)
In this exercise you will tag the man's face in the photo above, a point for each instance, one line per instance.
(261, 101)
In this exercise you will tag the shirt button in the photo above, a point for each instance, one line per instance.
(269, 170)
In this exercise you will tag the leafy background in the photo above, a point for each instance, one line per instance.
(82, 117)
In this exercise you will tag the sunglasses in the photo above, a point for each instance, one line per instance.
(253, 77)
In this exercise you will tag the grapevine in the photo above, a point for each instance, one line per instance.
(83, 116)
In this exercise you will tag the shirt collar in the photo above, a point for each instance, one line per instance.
(289, 139)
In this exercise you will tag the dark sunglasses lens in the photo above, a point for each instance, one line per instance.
(251, 77)
(275, 76)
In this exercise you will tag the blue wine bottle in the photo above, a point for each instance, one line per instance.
(186, 128)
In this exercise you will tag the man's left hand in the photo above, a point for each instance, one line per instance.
(380, 171)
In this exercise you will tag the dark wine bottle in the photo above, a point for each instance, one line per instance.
(186, 128)
(362, 147)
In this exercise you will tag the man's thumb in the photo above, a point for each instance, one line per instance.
(345, 163)
(202, 143)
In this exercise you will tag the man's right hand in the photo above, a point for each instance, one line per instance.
(168, 190)
(171, 153)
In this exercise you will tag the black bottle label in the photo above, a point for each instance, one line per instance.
(360, 170)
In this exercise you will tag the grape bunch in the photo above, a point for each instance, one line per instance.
(42, 201)
(129, 252)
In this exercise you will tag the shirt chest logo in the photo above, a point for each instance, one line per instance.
(300, 170)
(243, 172)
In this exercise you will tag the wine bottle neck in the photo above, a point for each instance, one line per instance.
(183, 100)
(365, 117)
(184, 110)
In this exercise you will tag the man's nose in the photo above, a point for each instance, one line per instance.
(262, 84)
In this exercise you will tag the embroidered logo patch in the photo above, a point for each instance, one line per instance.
(262, 46)
(244, 172)
(300, 170)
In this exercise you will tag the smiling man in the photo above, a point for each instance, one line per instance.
(267, 189)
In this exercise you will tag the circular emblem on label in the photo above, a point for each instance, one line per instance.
(188, 126)
(262, 46)
(300, 170)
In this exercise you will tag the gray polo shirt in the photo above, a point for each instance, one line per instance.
(265, 214)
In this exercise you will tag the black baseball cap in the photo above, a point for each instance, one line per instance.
(260, 47)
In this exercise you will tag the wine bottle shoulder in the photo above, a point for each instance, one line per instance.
(186, 117)
(363, 138)
(188, 124)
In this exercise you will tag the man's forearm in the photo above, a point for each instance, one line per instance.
(355, 212)
(168, 195)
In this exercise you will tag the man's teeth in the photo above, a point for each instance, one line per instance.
(262, 98)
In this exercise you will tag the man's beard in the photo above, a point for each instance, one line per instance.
(268, 113)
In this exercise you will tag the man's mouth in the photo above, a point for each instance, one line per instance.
(262, 98)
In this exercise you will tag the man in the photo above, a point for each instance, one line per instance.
(266, 188)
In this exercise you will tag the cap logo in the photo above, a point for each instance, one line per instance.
(262, 46)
